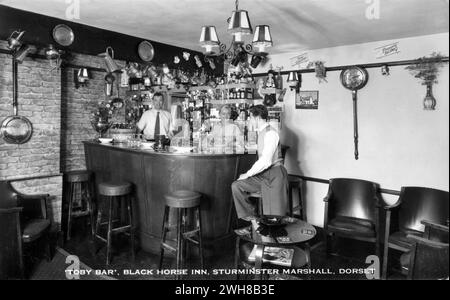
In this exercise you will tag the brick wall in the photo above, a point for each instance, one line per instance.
(77, 106)
(60, 115)
(39, 98)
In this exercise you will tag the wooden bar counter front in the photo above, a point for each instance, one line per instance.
(155, 174)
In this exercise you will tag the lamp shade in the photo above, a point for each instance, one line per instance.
(293, 77)
(262, 38)
(83, 75)
(240, 23)
(208, 37)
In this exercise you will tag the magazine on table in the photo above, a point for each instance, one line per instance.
(275, 255)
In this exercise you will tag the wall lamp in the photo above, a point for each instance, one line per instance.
(295, 81)
(81, 77)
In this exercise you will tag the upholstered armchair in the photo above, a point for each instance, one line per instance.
(404, 218)
(428, 257)
(23, 221)
(352, 211)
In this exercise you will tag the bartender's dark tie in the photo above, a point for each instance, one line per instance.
(156, 126)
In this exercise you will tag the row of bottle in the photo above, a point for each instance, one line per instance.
(242, 93)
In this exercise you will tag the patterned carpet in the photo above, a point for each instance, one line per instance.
(56, 269)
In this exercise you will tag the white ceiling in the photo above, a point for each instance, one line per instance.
(295, 24)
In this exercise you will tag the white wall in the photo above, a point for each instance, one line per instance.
(400, 144)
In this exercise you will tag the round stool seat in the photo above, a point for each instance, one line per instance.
(294, 179)
(77, 176)
(114, 188)
(183, 199)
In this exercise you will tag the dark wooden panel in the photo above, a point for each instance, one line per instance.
(89, 40)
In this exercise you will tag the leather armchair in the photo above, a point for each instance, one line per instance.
(352, 211)
(24, 220)
(428, 257)
(404, 218)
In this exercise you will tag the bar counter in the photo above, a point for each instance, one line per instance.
(155, 174)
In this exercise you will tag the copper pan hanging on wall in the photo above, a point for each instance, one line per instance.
(16, 129)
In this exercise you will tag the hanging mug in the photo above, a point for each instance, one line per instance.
(109, 60)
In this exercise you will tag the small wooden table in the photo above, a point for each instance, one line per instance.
(291, 232)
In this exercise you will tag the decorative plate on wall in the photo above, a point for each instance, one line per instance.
(63, 35)
(146, 51)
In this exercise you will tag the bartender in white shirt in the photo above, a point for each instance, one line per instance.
(267, 175)
(156, 121)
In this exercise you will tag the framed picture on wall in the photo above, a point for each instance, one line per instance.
(307, 100)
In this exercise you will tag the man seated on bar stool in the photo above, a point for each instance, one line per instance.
(267, 175)
(156, 121)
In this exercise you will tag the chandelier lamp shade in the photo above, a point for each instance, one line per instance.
(239, 25)
(262, 38)
(209, 39)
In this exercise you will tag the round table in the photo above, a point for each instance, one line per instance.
(287, 232)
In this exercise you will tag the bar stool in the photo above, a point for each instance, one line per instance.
(182, 201)
(294, 183)
(114, 192)
(79, 180)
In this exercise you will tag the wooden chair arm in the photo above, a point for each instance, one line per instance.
(424, 241)
(434, 225)
(10, 210)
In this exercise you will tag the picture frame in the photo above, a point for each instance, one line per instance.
(307, 100)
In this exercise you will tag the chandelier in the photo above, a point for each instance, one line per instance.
(238, 25)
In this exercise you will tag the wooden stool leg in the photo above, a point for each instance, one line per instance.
(69, 214)
(236, 256)
(179, 239)
(90, 206)
(130, 216)
(164, 234)
(200, 239)
(97, 228)
(300, 202)
(109, 234)
(291, 201)
(184, 246)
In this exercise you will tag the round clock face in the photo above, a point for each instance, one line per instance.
(354, 78)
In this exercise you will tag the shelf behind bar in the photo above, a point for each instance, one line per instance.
(367, 66)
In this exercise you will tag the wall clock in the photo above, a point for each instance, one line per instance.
(354, 79)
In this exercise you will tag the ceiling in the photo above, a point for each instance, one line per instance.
(295, 24)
